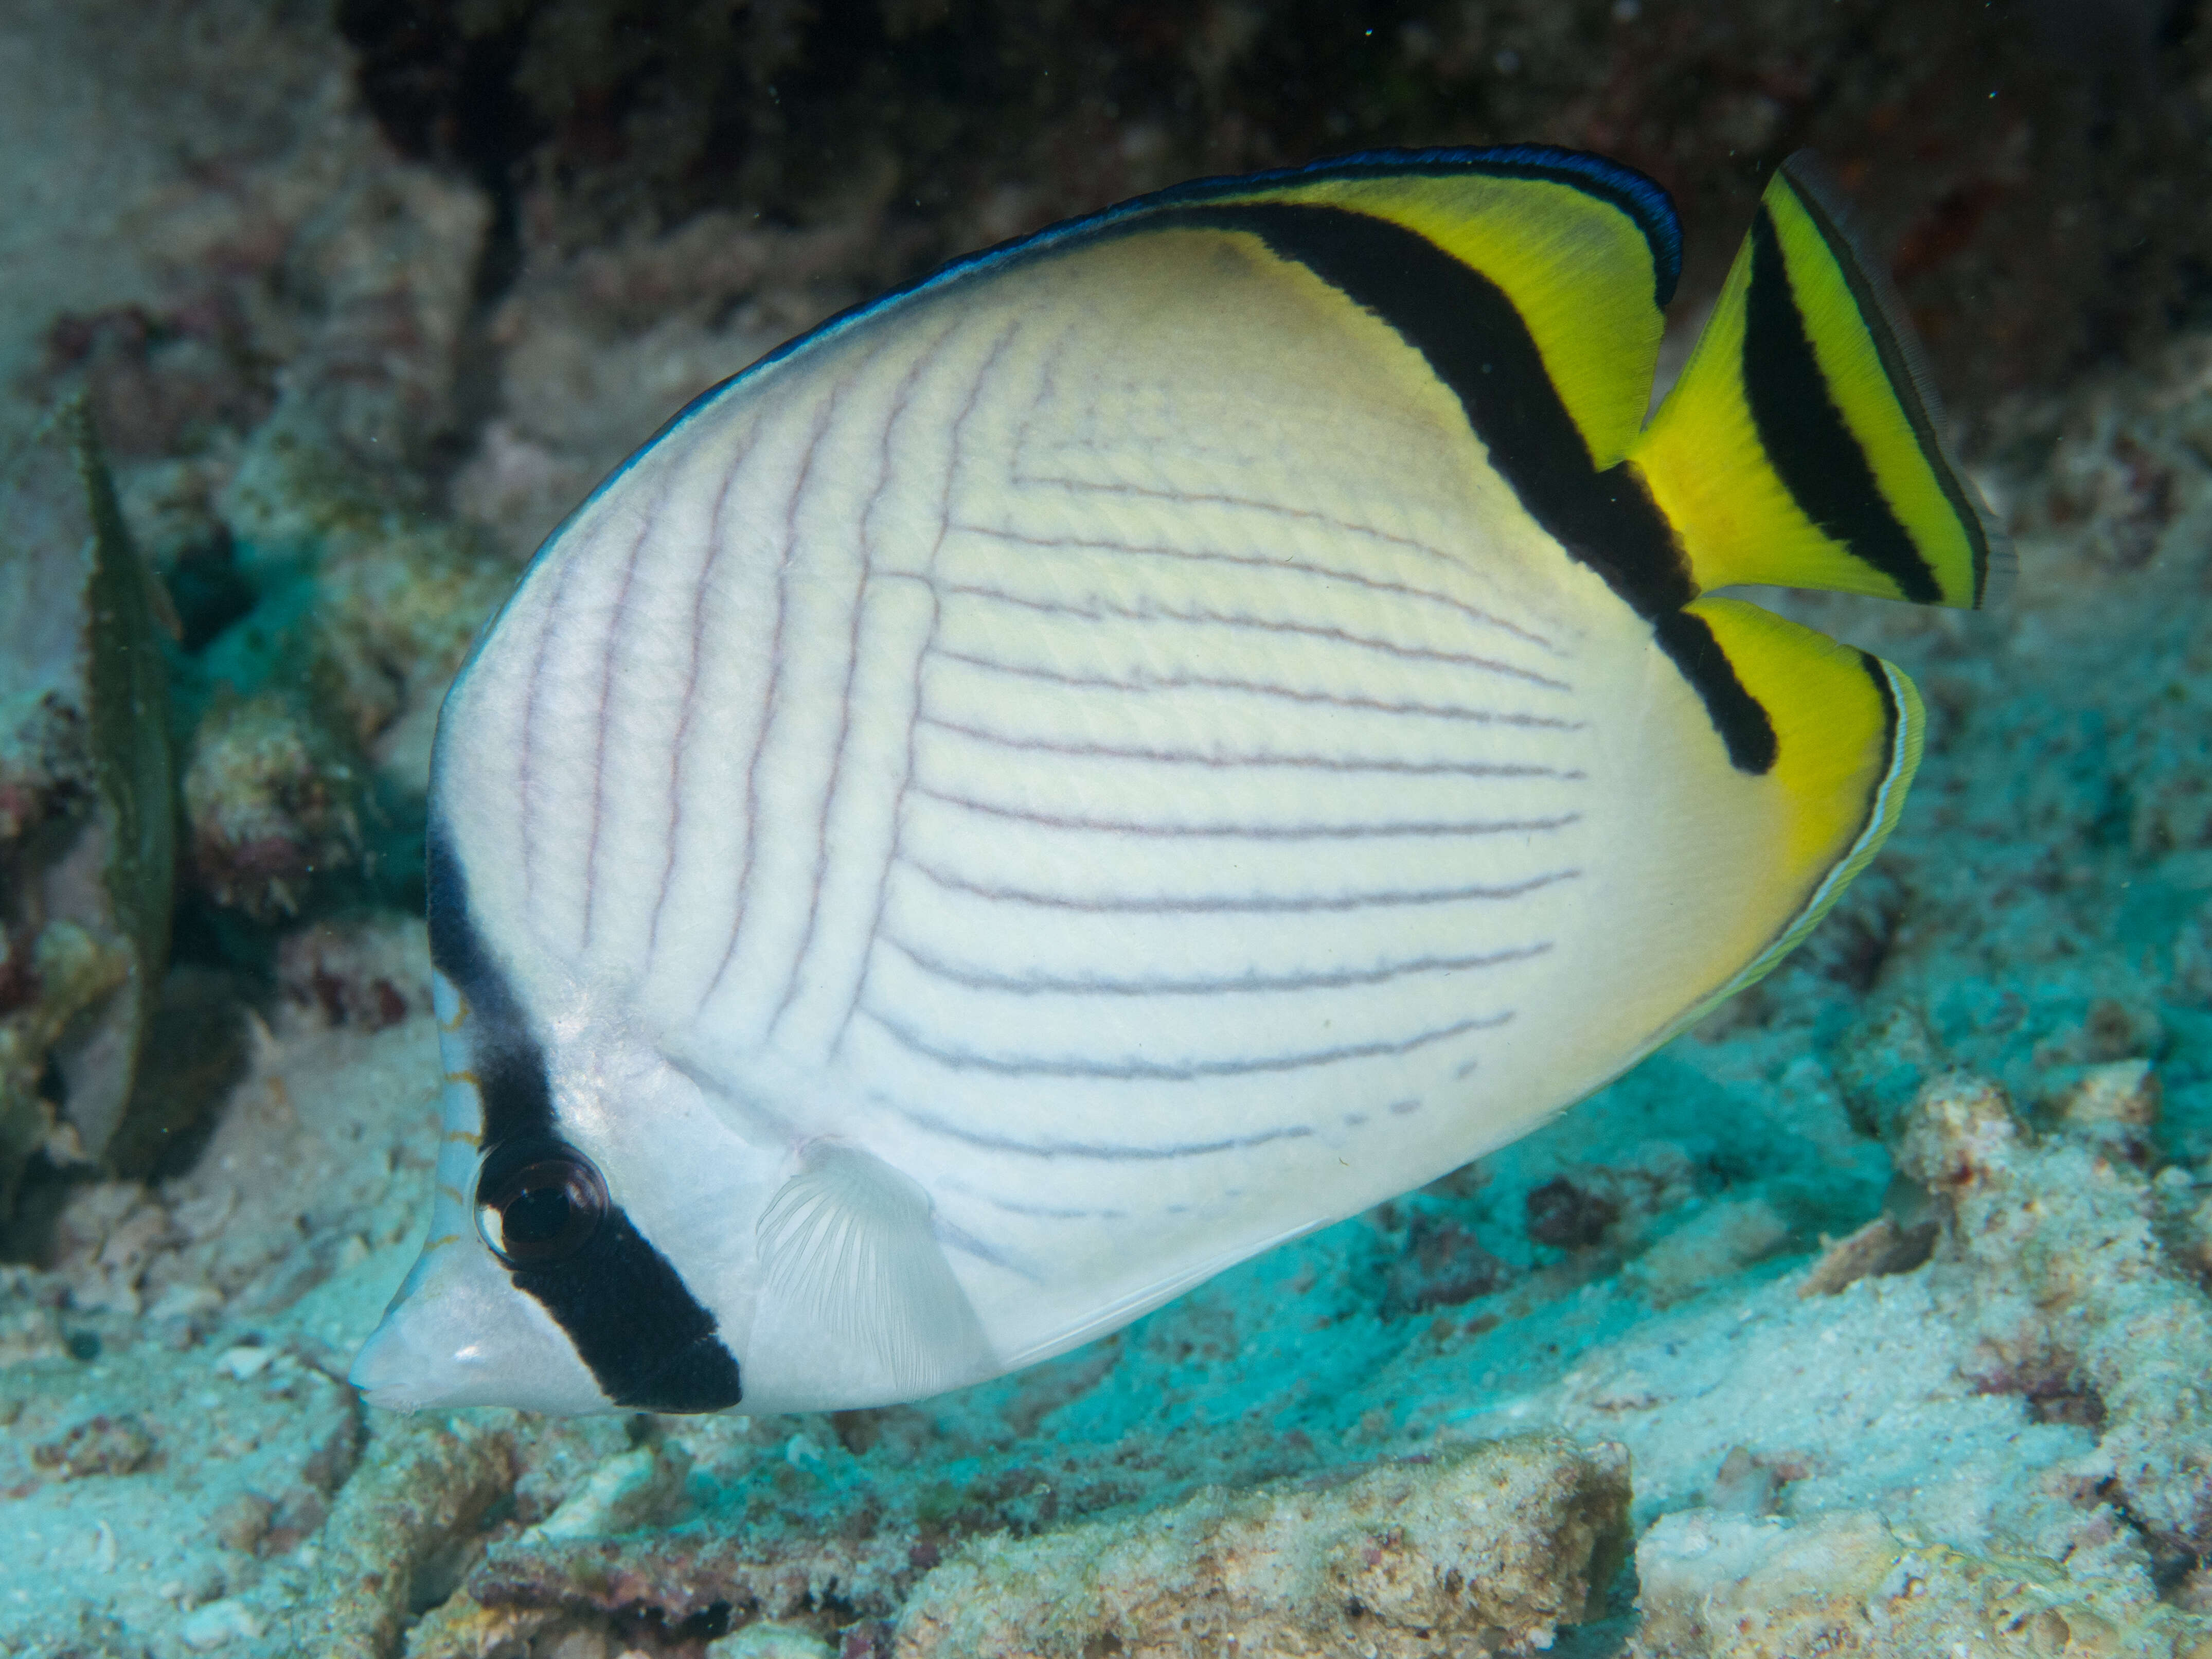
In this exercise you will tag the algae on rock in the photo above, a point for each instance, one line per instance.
(95, 847)
(1488, 1549)
(422, 1486)
(2058, 1281)
(1727, 1586)
(270, 802)
(2051, 1273)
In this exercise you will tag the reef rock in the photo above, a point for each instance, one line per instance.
(1723, 1587)
(2058, 1282)
(1486, 1550)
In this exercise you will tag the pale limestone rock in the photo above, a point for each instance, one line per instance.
(770, 1640)
(1483, 1551)
(2059, 1280)
(1717, 1586)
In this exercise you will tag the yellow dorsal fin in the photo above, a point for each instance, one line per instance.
(1585, 250)
(1802, 445)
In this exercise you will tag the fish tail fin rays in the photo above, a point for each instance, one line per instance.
(1839, 732)
(859, 1306)
(1802, 446)
(1587, 252)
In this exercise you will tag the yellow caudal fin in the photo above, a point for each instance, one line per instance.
(1840, 733)
(1801, 446)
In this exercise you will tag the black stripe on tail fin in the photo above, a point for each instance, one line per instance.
(1801, 446)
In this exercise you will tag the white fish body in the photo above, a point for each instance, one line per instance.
(1049, 788)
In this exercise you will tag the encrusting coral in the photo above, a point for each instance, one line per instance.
(1480, 1550)
(2055, 1274)
(2051, 1274)
(271, 804)
(423, 1487)
(1725, 1586)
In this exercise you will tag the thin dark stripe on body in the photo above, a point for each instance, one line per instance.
(618, 618)
(900, 400)
(1253, 560)
(1134, 1070)
(1262, 903)
(528, 782)
(1314, 762)
(1090, 985)
(688, 705)
(1094, 609)
(1179, 681)
(1250, 831)
(1301, 514)
(1104, 1151)
(773, 700)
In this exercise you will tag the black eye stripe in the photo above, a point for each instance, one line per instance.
(648, 1342)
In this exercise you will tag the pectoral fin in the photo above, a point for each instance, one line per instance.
(858, 1302)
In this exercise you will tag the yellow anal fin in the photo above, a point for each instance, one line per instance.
(1583, 249)
(1801, 446)
(1847, 730)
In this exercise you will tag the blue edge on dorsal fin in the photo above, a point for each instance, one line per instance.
(1643, 199)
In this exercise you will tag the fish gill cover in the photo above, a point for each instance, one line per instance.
(1872, 1309)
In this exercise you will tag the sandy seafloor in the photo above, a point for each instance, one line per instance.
(1885, 1288)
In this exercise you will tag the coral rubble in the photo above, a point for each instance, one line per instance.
(2061, 1287)
(1485, 1549)
(1724, 1587)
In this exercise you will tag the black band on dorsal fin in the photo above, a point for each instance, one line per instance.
(1622, 188)
(1474, 341)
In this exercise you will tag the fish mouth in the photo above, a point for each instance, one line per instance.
(420, 1356)
(388, 1371)
(458, 1334)
(394, 1372)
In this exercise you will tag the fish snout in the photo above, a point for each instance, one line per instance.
(459, 1333)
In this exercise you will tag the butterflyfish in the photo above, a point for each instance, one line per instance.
(1152, 739)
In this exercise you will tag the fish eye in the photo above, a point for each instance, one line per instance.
(538, 1201)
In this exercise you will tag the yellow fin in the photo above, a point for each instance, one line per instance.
(1801, 446)
(1846, 729)
(1585, 250)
